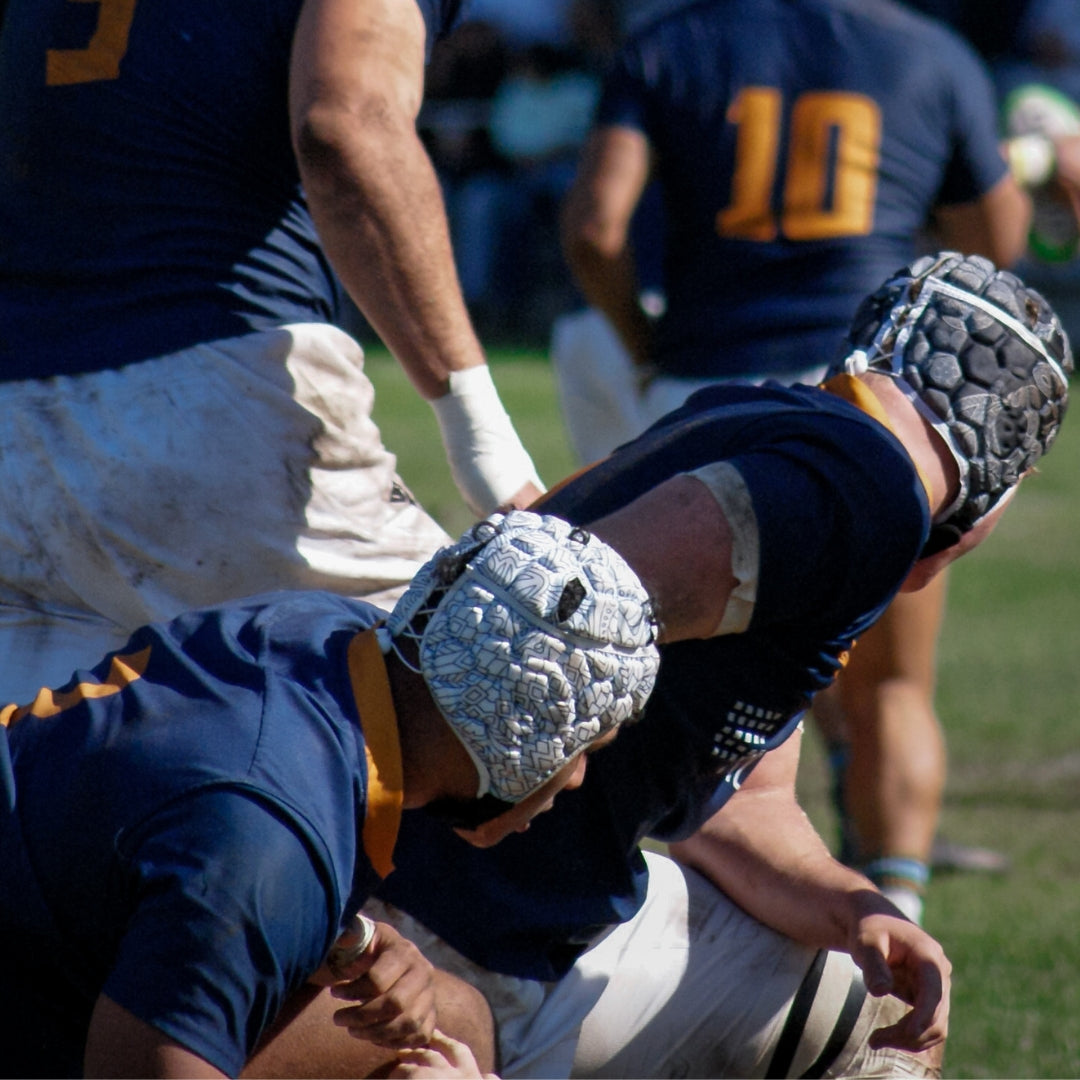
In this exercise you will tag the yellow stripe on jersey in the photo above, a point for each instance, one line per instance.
(382, 745)
(855, 391)
(123, 671)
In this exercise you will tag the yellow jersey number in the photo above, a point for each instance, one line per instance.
(101, 58)
(820, 121)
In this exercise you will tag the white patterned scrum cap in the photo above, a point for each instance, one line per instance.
(535, 639)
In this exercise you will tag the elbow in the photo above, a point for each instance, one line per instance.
(587, 243)
(322, 145)
(333, 143)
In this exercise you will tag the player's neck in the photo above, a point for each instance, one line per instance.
(434, 762)
(933, 458)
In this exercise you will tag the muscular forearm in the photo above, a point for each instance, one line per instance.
(376, 203)
(763, 851)
(355, 89)
(378, 208)
(788, 881)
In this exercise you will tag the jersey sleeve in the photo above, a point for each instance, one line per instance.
(229, 915)
(841, 518)
(976, 163)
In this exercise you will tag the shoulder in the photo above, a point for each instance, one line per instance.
(205, 956)
(910, 28)
(274, 622)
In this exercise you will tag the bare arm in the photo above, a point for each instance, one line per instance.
(120, 1044)
(356, 85)
(679, 542)
(995, 226)
(762, 851)
(597, 212)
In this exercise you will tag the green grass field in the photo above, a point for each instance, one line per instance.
(1008, 695)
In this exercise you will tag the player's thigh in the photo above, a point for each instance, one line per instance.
(696, 987)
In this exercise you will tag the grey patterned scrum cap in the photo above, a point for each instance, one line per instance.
(983, 357)
(535, 638)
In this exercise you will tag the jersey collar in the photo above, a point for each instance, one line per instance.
(857, 393)
(382, 748)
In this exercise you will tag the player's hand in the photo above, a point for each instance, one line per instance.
(898, 957)
(441, 1058)
(391, 984)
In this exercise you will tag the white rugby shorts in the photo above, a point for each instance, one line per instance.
(232, 468)
(691, 986)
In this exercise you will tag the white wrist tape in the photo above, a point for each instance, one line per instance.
(1031, 159)
(487, 461)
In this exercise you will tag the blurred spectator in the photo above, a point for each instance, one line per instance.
(510, 98)
(1046, 51)
(465, 73)
(540, 117)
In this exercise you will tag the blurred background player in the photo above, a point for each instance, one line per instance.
(187, 828)
(189, 192)
(803, 150)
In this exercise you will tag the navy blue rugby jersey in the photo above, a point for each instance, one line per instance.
(801, 146)
(184, 827)
(842, 517)
(149, 197)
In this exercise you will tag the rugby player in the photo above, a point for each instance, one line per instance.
(797, 515)
(186, 829)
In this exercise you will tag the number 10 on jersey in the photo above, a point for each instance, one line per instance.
(830, 165)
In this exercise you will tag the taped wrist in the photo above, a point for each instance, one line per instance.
(1031, 159)
(487, 461)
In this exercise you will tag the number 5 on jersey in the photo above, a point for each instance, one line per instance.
(101, 58)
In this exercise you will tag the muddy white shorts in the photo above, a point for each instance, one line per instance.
(691, 986)
(228, 469)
